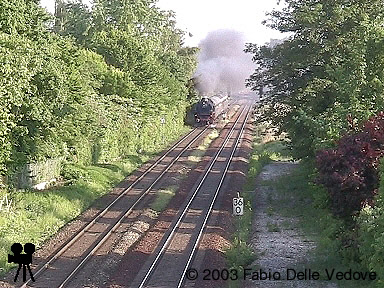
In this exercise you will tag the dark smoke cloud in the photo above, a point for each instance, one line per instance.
(223, 65)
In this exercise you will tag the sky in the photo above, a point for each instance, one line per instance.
(199, 17)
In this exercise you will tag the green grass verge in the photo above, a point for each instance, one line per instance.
(37, 215)
(301, 199)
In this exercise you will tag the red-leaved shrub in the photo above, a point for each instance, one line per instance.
(350, 171)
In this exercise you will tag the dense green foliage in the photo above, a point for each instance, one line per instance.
(90, 87)
(320, 85)
(328, 70)
(371, 236)
(94, 91)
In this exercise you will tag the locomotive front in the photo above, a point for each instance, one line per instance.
(207, 109)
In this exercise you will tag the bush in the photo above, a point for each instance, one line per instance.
(371, 232)
(350, 171)
(73, 172)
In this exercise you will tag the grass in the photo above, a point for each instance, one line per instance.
(301, 199)
(276, 150)
(273, 227)
(37, 215)
(270, 211)
(163, 197)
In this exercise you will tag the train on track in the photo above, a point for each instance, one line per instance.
(209, 108)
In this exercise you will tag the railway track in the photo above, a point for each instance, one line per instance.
(63, 265)
(175, 253)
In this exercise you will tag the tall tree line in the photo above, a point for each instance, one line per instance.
(90, 85)
(327, 77)
(321, 85)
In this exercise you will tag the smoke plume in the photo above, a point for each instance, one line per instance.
(223, 65)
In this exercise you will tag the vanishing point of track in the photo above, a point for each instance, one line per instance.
(167, 266)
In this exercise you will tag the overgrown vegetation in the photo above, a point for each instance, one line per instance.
(353, 175)
(163, 197)
(199, 152)
(299, 197)
(96, 90)
(321, 85)
(350, 171)
(371, 230)
(328, 69)
(91, 87)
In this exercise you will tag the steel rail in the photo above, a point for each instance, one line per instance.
(197, 242)
(181, 216)
(123, 193)
(117, 224)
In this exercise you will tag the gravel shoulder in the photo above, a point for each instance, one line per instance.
(277, 240)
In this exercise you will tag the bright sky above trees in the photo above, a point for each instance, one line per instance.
(201, 16)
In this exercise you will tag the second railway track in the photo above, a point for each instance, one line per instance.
(169, 262)
(65, 263)
(59, 269)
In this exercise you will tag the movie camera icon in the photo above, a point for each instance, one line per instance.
(22, 259)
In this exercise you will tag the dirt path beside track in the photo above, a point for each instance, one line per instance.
(277, 240)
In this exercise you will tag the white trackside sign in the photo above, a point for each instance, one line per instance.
(238, 206)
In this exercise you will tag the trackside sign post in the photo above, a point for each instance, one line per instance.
(238, 205)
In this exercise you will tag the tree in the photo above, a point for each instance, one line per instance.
(330, 68)
(73, 19)
(23, 17)
(86, 100)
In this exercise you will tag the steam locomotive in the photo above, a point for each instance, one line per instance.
(209, 108)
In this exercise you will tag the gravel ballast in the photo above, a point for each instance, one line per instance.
(279, 246)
